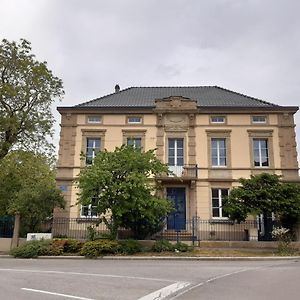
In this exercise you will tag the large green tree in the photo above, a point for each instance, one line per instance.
(119, 184)
(27, 187)
(265, 194)
(27, 90)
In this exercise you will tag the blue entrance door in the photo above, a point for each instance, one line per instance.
(177, 219)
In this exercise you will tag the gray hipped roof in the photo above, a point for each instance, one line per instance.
(209, 96)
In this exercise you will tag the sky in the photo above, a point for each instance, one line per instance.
(248, 46)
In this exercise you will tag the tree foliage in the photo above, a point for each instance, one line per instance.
(27, 186)
(265, 194)
(27, 90)
(126, 196)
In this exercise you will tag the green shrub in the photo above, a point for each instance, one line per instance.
(162, 245)
(181, 247)
(99, 247)
(69, 245)
(36, 248)
(130, 247)
(72, 246)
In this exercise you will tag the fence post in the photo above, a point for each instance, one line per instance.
(193, 231)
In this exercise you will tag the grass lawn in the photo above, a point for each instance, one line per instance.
(221, 252)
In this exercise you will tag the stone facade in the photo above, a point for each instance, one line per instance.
(203, 142)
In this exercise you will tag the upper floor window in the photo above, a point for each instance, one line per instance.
(175, 152)
(218, 152)
(217, 199)
(218, 119)
(89, 211)
(260, 152)
(259, 119)
(134, 120)
(136, 142)
(94, 119)
(93, 146)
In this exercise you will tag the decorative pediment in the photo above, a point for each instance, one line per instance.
(175, 103)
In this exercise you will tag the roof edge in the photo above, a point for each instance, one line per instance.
(120, 109)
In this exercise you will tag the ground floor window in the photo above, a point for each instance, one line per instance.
(90, 210)
(217, 202)
(135, 142)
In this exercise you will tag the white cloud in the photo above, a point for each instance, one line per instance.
(249, 46)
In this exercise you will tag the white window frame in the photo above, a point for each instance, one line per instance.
(94, 119)
(218, 152)
(220, 207)
(90, 209)
(93, 153)
(260, 152)
(134, 141)
(176, 150)
(216, 119)
(259, 121)
(134, 122)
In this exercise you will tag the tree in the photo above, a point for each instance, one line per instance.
(27, 187)
(265, 194)
(119, 184)
(27, 90)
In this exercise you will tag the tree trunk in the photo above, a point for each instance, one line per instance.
(15, 238)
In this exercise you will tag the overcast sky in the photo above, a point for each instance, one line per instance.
(248, 46)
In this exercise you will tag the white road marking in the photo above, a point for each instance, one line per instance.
(55, 294)
(166, 291)
(88, 274)
(212, 279)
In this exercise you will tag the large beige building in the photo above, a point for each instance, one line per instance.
(209, 137)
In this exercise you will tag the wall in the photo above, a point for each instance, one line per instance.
(178, 116)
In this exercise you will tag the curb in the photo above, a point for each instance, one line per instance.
(183, 258)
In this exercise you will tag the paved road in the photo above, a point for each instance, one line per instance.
(56, 279)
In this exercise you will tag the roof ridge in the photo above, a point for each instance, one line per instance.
(167, 87)
(96, 99)
(262, 101)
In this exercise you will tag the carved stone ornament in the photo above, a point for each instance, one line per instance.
(175, 103)
(176, 119)
(176, 128)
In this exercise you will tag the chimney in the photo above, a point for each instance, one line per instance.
(117, 88)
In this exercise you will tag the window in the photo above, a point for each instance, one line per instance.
(218, 152)
(92, 147)
(259, 119)
(134, 120)
(63, 188)
(135, 142)
(260, 152)
(217, 198)
(175, 152)
(89, 211)
(134, 137)
(217, 119)
(94, 119)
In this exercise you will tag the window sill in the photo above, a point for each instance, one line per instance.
(219, 167)
(263, 167)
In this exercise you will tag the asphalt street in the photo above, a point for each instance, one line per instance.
(148, 279)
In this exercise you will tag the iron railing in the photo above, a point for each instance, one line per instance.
(78, 228)
(6, 226)
(187, 171)
(197, 229)
(194, 229)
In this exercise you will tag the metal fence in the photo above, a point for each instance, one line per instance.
(194, 229)
(80, 228)
(197, 229)
(6, 226)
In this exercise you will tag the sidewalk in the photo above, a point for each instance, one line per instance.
(196, 258)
